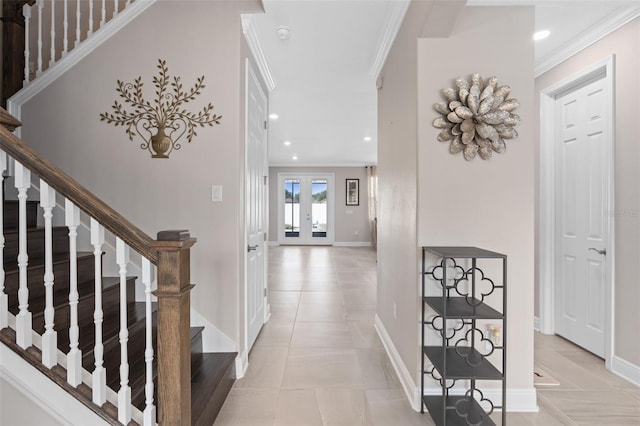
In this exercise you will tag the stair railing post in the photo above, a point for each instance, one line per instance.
(50, 336)
(99, 376)
(124, 394)
(74, 357)
(174, 346)
(23, 319)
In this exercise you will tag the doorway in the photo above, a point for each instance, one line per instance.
(576, 200)
(306, 209)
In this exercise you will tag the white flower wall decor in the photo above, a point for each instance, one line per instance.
(477, 117)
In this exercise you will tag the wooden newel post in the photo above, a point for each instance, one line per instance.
(174, 346)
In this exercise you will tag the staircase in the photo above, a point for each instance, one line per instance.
(60, 285)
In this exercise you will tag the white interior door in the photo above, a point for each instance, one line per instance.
(306, 209)
(581, 215)
(256, 205)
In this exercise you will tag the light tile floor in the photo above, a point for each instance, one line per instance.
(318, 361)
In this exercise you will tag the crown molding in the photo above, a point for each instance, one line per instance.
(253, 40)
(391, 27)
(586, 39)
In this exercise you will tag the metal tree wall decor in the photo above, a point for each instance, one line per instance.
(162, 123)
(477, 117)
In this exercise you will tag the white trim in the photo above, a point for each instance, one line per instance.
(536, 323)
(626, 370)
(213, 340)
(395, 16)
(411, 390)
(352, 244)
(253, 40)
(62, 407)
(605, 27)
(242, 363)
(547, 199)
(87, 46)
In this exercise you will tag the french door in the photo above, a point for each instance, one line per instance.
(306, 209)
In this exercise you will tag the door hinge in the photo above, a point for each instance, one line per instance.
(265, 179)
(265, 124)
(265, 292)
(265, 236)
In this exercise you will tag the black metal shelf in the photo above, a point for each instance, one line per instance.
(476, 414)
(460, 308)
(462, 363)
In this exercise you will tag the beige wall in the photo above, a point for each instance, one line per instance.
(353, 227)
(430, 197)
(625, 45)
(62, 123)
(487, 204)
(397, 190)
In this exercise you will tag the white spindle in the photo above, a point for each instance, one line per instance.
(52, 59)
(116, 7)
(150, 409)
(4, 301)
(26, 11)
(77, 23)
(128, 3)
(40, 4)
(124, 394)
(65, 25)
(74, 357)
(99, 373)
(90, 31)
(103, 14)
(23, 319)
(50, 337)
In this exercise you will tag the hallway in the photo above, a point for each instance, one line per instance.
(318, 361)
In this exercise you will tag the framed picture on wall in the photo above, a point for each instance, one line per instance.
(353, 192)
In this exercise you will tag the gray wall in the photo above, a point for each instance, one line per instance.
(62, 122)
(430, 197)
(349, 228)
(625, 44)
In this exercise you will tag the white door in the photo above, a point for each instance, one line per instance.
(256, 204)
(306, 209)
(581, 215)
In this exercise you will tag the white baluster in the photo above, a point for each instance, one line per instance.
(23, 319)
(50, 337)
(128, 3)
(103, 15)
(99, 373)
(74, 357)
(150, 409)
(90, 18)
(65, 42)
(124, 394)
(4, 301)
(77, 23)
(52, 59)
(26, 11)
(40, 4)
(116, 7)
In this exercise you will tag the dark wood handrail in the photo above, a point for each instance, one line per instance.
(79, 195)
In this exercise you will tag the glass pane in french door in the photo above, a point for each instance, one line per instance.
(292, 208)
(319, 208)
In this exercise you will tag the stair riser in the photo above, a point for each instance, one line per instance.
(35, 244)
(35, 282)
(11, 210)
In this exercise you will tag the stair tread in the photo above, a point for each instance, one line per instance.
(210, 385)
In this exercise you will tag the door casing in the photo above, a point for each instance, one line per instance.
(604, 69)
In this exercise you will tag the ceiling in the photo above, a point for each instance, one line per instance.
(324, 94)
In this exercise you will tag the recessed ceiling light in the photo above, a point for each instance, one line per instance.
(367, 138)
(295, 157)
(287, 143)
(541, 35)
(273, 116)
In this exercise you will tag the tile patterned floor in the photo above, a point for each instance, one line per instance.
(318, 361)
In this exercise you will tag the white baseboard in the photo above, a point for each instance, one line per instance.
(626, 370)
(242, 363)
(352, 244)
(35, 386)
(409, 386)
(213, 340)
(536, 323)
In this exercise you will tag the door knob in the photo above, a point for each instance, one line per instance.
(602, 252)
(252, 248)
